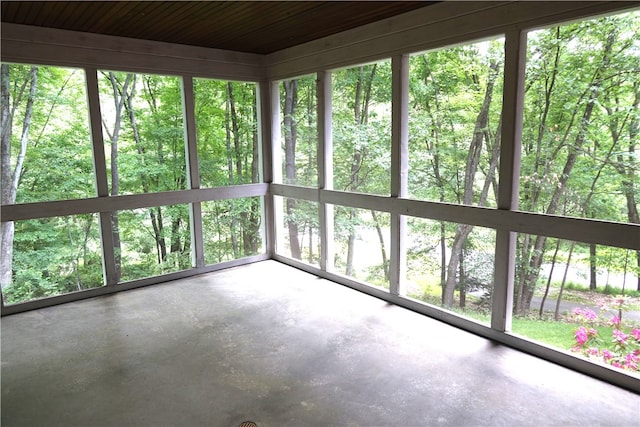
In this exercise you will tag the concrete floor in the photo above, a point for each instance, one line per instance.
(279, 347)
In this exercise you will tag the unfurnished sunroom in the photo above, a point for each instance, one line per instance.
(470, 161)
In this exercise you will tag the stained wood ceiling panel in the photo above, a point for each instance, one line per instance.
(246, 26)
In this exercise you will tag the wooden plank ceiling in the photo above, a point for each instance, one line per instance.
(247, 26)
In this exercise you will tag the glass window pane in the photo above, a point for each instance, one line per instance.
(232, 229)
(152, 241)
(299, 231)
(143, 132)
(579, 297)
(361, 117)
(451, 265)
(46, 135)
(455, 107)
(298, 116)
(53, 256)
(227, 132)
(362, 245)
(581, 133)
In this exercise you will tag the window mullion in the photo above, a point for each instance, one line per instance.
(100, 171)
(272, 167)
(399, 169)
(512, 109)
(193, 171)
(325, 167)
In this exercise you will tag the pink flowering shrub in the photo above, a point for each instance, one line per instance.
(622, 351)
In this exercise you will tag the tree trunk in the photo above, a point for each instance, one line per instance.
(531, 278)
(255, 158)
(230, 174)
(251, 218)
(155, 214)
(361, 117)
(434, 149)
(119, 97)
(383, 251)
(235, 132)
(294, 238)
(176, 241)
(290, 129)
(351, 244)
(473, 159)
(556, 314)
(593, 271)
(624, 270)
(6, 228)
(628, 169)
(160, 234)
(9, 179)
(463, 281)
(443, 258)
(290, 141)
(546, 290)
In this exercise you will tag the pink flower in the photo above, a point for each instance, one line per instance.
(607, 354)
(585, 314)
(631, 361)
(620, 336)
(590, 314)
(593, 351)
(636, 334)
(581, 335)
(615, 321)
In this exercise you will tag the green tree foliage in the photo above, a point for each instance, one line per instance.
(361, 118)
(47, 156)
(227, 132)
(580, 132)
(227, 139)
(455, 123)
(54, 256)
(362, 128)
(299, 164)
(580, 138)
(142, 118)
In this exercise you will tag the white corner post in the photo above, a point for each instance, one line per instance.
(193, 171)
(325, 168)
(272, 165)
(509, 178)
(100, 173)
(399, 169)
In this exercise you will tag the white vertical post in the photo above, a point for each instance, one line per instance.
(276, 166)
(399, 169)
(263, 158)
(325, 168)
(276, 142)
(100, 172)
(272, 166)
(512, 107)
(193, 171)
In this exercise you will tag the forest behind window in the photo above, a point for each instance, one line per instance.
(47, 155)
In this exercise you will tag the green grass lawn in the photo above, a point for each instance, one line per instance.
(557, 334)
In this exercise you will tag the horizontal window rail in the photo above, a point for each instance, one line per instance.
(584, 230)
(133, 201)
